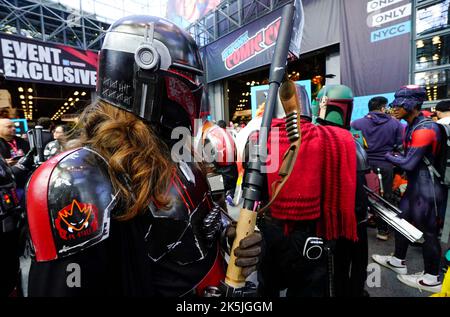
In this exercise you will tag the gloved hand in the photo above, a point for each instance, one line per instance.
(389, 155)
(248, 252)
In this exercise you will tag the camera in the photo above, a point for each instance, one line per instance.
(313, 248)
(36, 143)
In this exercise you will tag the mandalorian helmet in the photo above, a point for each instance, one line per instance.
(409, 97)
(335, 105)
(150, 67)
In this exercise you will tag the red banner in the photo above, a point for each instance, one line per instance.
(25, 59)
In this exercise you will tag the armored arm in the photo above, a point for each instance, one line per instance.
(69, 202)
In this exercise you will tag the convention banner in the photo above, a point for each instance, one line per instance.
(375, 45)
(30, 60)
(249, 47)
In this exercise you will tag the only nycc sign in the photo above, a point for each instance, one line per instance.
(245, 47)
(35, 61)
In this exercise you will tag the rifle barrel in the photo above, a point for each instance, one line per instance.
(371, 192)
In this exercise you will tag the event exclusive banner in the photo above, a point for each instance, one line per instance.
(375, 45)
(247, 48)
(25, 59)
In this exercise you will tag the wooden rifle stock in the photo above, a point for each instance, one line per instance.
(245, 226)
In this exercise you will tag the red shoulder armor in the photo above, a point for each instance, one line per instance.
(219, 146)
(69, 200)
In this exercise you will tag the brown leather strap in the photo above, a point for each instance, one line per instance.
(291, 104)
(287, 165)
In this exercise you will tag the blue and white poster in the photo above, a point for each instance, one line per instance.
(259, 94)
(361, 104)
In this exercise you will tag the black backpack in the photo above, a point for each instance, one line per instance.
(441, 166)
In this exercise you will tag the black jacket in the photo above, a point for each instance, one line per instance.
(5, 149)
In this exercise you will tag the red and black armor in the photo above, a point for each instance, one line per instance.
(149, 67)
(71, 208)
(219, 146)
(69, 204)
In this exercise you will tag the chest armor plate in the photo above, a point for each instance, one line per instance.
(179, 231)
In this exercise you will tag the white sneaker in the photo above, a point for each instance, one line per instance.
(386, 260)
(417, 281)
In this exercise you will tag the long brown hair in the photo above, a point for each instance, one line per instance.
(131, 148)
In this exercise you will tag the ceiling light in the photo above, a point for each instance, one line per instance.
(22, 102)
(66, 103)
(20, 89)
(70, 99)
(76, 93)
(30, 97)
(76, 99)
(22, 97)
(30, 89)
(72, 103)
(83, 93)
(30, 102)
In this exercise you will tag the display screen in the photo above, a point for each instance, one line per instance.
(433, 18)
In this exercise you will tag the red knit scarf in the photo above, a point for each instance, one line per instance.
(323, 182)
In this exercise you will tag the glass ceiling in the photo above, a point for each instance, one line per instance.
(109, 11)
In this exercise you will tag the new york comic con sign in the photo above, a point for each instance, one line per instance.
(30, 60)
(247, 48)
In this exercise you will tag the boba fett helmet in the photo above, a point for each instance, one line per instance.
(335, 105)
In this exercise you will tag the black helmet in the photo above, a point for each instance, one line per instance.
(150, 67)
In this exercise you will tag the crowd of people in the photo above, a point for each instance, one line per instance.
(138, 219)
(16, 163)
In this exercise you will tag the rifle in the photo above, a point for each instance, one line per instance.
(391, 215)
(291, 24)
